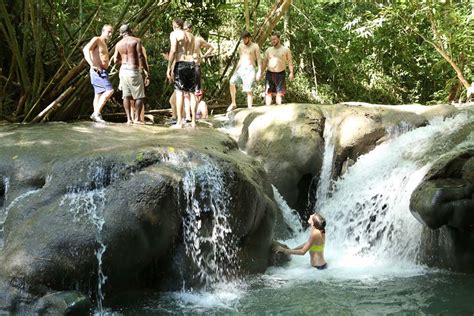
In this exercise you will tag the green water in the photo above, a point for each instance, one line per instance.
(429, 293)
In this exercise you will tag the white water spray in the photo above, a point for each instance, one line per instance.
(368, 214)
(325, 179)
(290, 216)
(87, 203)
(207, 232)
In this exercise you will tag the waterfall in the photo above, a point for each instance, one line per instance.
(206, 229)
(290, 216)
(368, 213)
(87, 203)
(325, 179)
(3, 207)
(7, 205)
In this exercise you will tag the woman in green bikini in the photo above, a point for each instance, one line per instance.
(315, 243)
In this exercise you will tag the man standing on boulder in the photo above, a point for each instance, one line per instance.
(181, 70)
(130, 55)
(276, 58)
(97, 56)
(245, 72)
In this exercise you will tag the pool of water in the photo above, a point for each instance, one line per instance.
(415, 290)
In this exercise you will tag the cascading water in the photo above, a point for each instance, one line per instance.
(290, 216)
(368, 214)
(7, 205)
(325, 179)
(87, 202)
(206, 226)
(3, 207)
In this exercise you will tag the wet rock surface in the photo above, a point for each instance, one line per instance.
(85, 199)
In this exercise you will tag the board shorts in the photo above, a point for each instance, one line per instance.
(100, 81)
(244, 75)
(275, 83)
(185, 76)
(131, 83)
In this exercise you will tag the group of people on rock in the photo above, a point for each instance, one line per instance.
(184, 70)
(184, 59)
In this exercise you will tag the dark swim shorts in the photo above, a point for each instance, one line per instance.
(324, 266)
(100, 81)
(185, 76)
(275, 82)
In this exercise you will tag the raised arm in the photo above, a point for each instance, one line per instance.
(302, 249)
(209, 48)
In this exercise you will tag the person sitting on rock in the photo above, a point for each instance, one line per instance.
(315, 243)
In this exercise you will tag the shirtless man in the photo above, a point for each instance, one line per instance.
(199, 44)
(97, 56)
(181, 70)
(249, 55)
(129, 54)
(276, 58)
(146, 82)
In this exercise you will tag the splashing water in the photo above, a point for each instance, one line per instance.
(368, 215)
(325, 179)
(207, 232)
(290, 216)
(87, 202)
(8, 206)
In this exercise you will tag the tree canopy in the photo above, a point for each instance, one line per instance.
(376, 52)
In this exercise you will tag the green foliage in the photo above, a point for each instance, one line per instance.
(343, 51)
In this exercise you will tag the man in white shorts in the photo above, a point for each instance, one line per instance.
(245, 73)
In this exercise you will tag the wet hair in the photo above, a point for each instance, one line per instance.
(187, 25)
(179, 22)
(319, 222)
(245, 34)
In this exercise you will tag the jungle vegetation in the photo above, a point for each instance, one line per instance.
(377, 52)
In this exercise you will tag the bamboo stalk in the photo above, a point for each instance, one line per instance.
(11, 38)
(53, 105)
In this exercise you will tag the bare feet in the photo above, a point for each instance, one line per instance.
(231, 107)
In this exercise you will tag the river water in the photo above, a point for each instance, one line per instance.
(372, 248)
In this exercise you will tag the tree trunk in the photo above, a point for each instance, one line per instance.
(247, 15)
(279, 9)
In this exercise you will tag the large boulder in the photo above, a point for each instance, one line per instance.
(444, 202)
(97, 207)
(289, 139)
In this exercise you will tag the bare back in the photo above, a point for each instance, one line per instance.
(130, 52)
(183, 43)
(318, 239)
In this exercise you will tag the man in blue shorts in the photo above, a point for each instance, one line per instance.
(97, 56)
